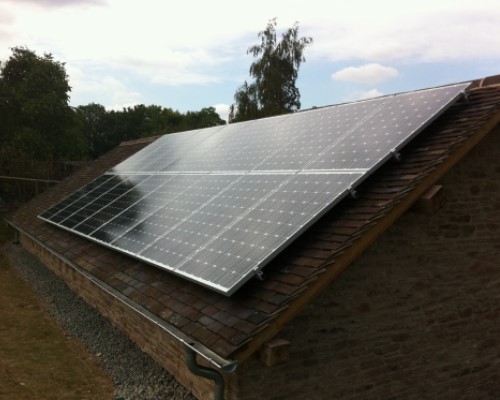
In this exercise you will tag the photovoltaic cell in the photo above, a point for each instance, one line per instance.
(216, 205)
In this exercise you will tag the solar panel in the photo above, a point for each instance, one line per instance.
(216, 205)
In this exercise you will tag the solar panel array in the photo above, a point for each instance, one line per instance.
(217, 204)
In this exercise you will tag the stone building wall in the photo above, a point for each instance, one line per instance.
(417, 316)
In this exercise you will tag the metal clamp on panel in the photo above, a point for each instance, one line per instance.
(259, 274)
(464, 96)
(396, 155)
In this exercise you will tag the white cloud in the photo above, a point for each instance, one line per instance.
(106, 89)
(177, 78)
(59, 3)
(222, 110)
(357, 95)
(385, 30)
(121, 95)
(368, 73)
(369, 94)
(154, 33)
(425, 31)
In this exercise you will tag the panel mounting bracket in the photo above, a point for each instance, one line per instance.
(465, 96)
(259, 275)
(396, 154)
(353, 192)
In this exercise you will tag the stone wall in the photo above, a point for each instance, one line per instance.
(416, 317)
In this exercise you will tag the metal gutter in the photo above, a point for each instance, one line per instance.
(196, 347)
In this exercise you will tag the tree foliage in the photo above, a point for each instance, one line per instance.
(275, 71)
(37, 121)
(104, 129)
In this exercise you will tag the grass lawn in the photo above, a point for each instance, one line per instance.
(37, 359)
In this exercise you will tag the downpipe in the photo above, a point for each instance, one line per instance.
(209, 373)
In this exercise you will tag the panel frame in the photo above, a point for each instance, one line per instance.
(358, 174)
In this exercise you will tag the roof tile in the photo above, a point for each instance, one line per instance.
(257, 318)
(205, 335)
(225, 318)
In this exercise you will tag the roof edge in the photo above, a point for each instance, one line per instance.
(147, 139)
(492, 80)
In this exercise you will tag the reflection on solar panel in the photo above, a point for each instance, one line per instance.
(217, 204)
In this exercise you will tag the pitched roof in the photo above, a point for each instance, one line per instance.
(235, 327)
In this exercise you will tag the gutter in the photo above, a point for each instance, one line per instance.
(191, 346)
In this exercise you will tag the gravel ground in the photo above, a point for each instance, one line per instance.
(135, 375)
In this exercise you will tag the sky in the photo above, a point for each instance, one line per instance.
(191, 54)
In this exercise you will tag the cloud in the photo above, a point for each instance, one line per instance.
(222, 110)
(369, 73)
(357, 95)
(58, 3)
(431, 31)
(112, 93)
(6, 16)
(162, 50)
(184, 77)
(369, 94)
(121, 95)
(175, 67)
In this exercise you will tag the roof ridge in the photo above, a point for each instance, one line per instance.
(487, 81)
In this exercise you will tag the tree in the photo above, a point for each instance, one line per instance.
(246, 104)
(93, 121)
(204, 118)
(274, 91)
(37, 121)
